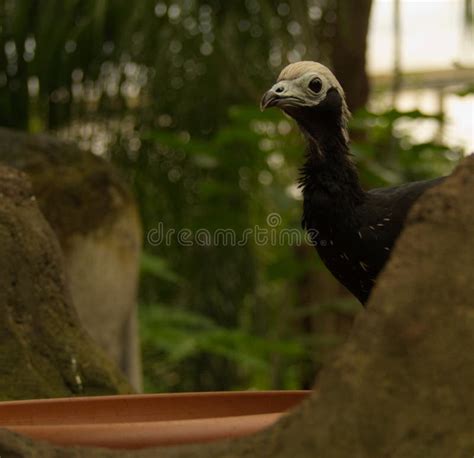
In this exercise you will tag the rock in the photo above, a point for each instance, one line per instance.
(403, 383)
(97, 223)
(44, 352)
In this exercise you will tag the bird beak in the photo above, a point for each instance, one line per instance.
(269, 99)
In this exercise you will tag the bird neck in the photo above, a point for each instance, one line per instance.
(329, 168)
(329, 178)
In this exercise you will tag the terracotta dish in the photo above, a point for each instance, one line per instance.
(136, 421)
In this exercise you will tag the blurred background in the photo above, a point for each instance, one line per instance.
(168, 91)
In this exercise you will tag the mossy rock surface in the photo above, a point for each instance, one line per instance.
(77, 191)
(44, 352)
(93, 213)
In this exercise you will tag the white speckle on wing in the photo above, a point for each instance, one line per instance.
(386, 219)
(345, 255)
(360, 235)
(380, 224)
(372, 227)
(363, 265)
(386, 248)
(331, 242)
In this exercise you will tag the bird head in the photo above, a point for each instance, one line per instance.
(308, 92)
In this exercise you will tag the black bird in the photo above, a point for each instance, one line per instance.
(353, 230)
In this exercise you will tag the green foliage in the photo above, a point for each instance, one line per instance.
(223, 283)
(388, 151)
(120, 56)
(466, 91)
(172, 337)
(158, 268)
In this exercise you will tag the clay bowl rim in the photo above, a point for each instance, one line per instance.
(147, 407)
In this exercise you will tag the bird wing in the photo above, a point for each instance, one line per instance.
(382, 217)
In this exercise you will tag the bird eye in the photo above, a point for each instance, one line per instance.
(316, 85)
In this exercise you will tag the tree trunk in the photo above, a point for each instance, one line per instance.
(349, 50)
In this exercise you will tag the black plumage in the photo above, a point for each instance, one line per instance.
(353, 230)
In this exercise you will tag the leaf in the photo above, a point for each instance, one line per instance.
(183, 333)
(157, 267)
